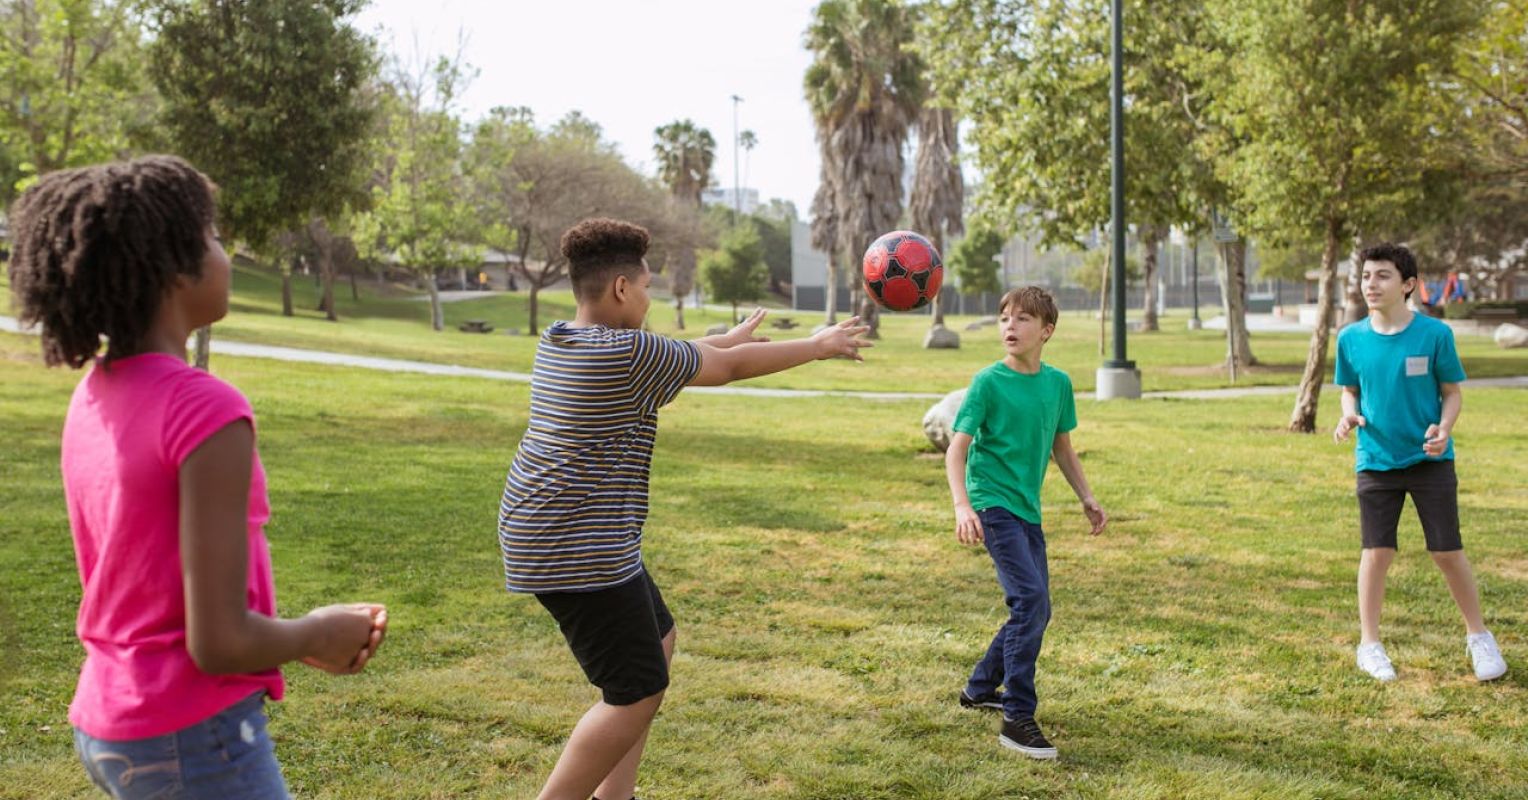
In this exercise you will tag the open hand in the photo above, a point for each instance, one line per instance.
(744, 332)
(1345, 426)
(843, 339)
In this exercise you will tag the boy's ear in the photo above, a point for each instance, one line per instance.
(1049, 331)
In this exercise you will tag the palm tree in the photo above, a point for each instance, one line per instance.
(938, 188)
(747, 140)
(685, 153)
(865, 87)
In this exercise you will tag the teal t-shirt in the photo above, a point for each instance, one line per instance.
(1013, 420)
(1397, 376)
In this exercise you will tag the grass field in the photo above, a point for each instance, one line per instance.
(1201, 648)
(390, 323)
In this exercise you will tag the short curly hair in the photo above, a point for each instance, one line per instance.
(597, 247)
(1397, 254)
(96, 250)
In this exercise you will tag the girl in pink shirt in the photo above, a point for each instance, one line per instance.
(165, 491)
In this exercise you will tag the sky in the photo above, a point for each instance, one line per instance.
(631, 67)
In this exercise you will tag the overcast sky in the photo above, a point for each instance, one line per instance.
(632, 66)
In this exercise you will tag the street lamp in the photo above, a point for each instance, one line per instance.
(737, 189)
(1118, 377)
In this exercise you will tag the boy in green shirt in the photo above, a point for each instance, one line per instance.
(1017, 413)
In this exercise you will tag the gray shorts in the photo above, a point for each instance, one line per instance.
(1434, 491)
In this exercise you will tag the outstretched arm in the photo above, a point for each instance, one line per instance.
(741, 333)
(1071, 467)
(722, 366)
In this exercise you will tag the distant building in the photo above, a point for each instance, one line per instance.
(724, 197)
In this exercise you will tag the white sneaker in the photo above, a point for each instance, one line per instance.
(1372, 659)
(1489, 665)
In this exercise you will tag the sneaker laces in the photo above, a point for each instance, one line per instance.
(1030, 727)
(1482, 647)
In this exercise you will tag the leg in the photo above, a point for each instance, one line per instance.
(599, 742)
(1461, 584)
(987, 675)
(1012, 543)
(621, 783)
(1381, 494)
(1372, 566)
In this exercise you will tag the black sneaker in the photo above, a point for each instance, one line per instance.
(992, 701)
(1024, 736)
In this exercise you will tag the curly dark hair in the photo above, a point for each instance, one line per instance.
(97, 248)
(1397, 254)
(597, 247)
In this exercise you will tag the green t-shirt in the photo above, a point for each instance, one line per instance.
(1013, 420)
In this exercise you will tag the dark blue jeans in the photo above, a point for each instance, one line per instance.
(1018, 551)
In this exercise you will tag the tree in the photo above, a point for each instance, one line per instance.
(865, 86)
(421, 215)
(72, 86)
(1341, 111)
(938, 196)
(1034, 80)
(973, 260)
(734, 272)
(271, 99)
(685, 153)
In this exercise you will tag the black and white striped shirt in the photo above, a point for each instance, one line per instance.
(576, 496)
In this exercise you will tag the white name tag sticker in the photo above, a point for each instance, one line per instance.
(1416, 365)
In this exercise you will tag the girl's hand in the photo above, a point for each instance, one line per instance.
(346, 635)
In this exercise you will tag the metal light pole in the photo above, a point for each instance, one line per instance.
(737, 189)
(1118, 377)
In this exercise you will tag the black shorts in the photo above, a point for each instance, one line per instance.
(617, 636)
(1434, 491)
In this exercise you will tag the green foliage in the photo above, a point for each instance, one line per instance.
(1288, 262)
(685, 153)
(1033, 79)
(272, 99)
(973, 260)
(735, 272)
(1090, 273)
(421, 216)
(72, 87)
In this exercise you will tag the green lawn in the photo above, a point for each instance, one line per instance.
(390, 323)
(1202, 648)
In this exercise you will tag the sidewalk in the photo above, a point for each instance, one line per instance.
(246, 350)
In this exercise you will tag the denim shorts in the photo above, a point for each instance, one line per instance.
(228, 756)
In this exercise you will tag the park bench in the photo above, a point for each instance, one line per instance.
(784, 323)
(475, 326)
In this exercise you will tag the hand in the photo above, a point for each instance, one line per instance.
(842, 339)
(1095, 514)
(1436, 440)
(968, 526)
(1345, 425)
(744, 332)
(348, 635)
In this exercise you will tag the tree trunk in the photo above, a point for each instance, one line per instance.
(1151, 237)
(734, 312)
(326, 274)
(1355, 307)
(936, 309)
(1103, 306)
(533, 290)
(286, 290)
(831, 294)
(203, 347)
(437, 318)
(679, 310)
(1233, 296)
(355, 292)
(1303, 420)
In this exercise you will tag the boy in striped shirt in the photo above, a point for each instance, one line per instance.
(570, 523)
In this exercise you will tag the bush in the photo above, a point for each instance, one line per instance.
(1467, 310)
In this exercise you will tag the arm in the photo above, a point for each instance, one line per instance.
(968, 526)
(1350, 417)
(222, 634)
(1071, 466)
(722, 366)
(1438, 434)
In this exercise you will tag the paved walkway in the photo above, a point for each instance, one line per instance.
(245, 350)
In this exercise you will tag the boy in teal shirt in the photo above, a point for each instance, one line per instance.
(1017, 414)
(1400, 379)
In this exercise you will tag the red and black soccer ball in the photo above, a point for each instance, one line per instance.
(903, 271)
